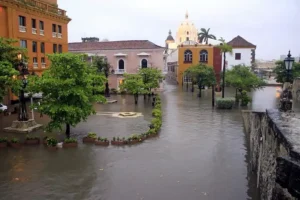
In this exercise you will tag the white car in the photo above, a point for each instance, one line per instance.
(3, 107)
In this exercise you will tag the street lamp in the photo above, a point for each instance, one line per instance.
(288, 61)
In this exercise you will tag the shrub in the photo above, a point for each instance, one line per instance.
(151, 132)
(14, 140)
(102, 139)
(52, 142)
(92, 135)
(156, 113)
(70, 140)
(114, 91)
(245, 99)
(3, 140)
(225, 103)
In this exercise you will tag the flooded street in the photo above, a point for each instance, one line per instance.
(200, 153)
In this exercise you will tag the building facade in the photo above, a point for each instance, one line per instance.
(39, 26)
(243, 53)
(123, 56)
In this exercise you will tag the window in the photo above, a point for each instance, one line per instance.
(59, 29)
(41, 25)
(22, 21)
(144, 63)
(188, 56)
(203, 56)
(34, 47)
(187, 79)
(34, 59)
(60, 48)
(121, 64)
(54, 48)
(33, 23)
(187, 33)
(43, 60)
(53, 28)
(42, 47)
(187, 39)
(23, 43)
(238, 56)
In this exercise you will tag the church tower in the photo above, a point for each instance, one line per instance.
(169, 39)
(186, 31)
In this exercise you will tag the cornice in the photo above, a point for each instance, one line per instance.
(36, 10)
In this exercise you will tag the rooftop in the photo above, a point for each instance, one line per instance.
(239, 42)
(113, 45)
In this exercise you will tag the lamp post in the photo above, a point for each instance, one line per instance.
(22, 68)
(288, 61)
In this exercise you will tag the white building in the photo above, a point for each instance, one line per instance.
(243, 53)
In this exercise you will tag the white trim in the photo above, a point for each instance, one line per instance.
(120, 54)
(143, 54)
(118, 71)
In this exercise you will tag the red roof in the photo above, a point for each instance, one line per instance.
(238, 41)
(113, 45)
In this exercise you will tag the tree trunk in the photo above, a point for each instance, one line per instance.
(223, 86)
(192, 87)
(213, 96)
(136, 98)
(145, 96)
(68, 131)
(107, 90)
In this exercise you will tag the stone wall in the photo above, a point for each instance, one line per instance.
(274, 142)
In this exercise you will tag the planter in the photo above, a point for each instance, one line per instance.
(32, 141)
(134, 142)
(16, 145)
(88, 140)
(3, 144)
(52, 148)
(117, 142)
(152, 135)
(70, 145)
(101, 143)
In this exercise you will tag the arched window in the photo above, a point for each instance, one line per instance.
(203, 56)
(121, 64)
(187, 33)
(144, 63)
(188, 56)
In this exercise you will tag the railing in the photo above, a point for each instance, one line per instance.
(44, 6)
(35, 65)
(43, 65)
(59, 35)
(34, 31)
(120, 71)
(41, 32)
(54, 34)
(22, 29)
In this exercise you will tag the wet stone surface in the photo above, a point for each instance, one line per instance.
(201, 153)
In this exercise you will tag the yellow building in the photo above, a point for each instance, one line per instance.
(192, 53)
(186, 31)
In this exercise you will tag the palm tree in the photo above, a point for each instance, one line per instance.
(204, 35)
(225, 48)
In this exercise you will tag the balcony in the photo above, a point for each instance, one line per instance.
(22, 29)
(120, 71)
(45, 7)
(59, 35)
(42, 32)
(43, 65)
(54, 34)
(34, 31)
(35, 65)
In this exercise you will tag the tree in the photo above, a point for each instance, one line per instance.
(241, 78)
(281, 72)
(103, 67)
(201, 74)
(225, 48)
(8, 60)
(204, 35)
(151, 78)
(67, 88)
(134, 84)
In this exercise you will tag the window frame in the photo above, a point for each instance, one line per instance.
(54, 28)
(22, 19)
(142, 63)
(54, 48)
(59, 29)
(42, 46)
(34, 58)
(60, 48)
(119, 64)
(25, 43)
(238, 56)
(188, 56)
(34, 50)
(41, 25)
(33, 23)
(203, 53)
(43, 58)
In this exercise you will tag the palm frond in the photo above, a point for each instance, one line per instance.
(211, 36)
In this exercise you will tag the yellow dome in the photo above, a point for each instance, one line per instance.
(186, 31)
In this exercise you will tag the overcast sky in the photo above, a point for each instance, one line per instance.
(272, 25)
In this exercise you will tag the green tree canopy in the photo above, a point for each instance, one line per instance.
(67, 88)
(204, 35)
(133, 83)
(201, 74)
(151, 77)
(281, 72)
(241, 78)
(224, 47)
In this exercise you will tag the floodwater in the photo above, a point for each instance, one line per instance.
(200, 153)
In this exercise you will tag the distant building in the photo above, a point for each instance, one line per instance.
(243, 53)
(126, 56)
(297, 58)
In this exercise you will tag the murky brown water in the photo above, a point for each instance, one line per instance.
(199, 154)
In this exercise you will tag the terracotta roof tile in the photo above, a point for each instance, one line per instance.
(113, 45)
(238, 41)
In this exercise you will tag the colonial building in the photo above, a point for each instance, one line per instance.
(243, 53)
(124, 56)
(40, 26)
